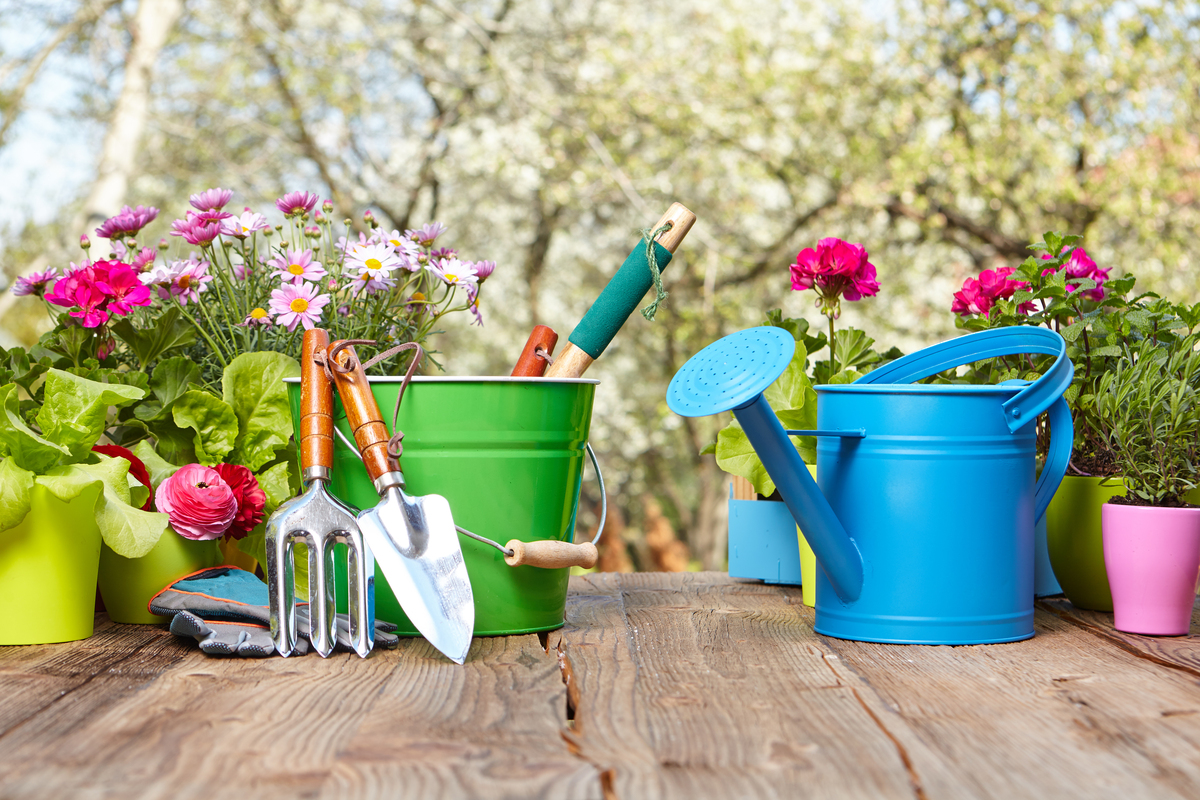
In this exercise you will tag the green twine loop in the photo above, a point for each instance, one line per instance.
(652, 259)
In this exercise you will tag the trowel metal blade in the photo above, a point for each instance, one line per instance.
(416, 545)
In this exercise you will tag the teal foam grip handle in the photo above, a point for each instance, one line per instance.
(618, 300)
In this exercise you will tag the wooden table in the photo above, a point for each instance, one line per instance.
(660, 685)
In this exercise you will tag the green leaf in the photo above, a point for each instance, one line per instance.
(1074, 330)
(18, 491)
(213, 421)
(845, 376)
(276, 485)
(709, 449)
(789, 390)
(1109, 351)
(253, 385)
(853, 348)
(736, 456)
(75, 410)
(18, 441)
(129, 531)
(172, 378)
(171, 332)
(159, 469)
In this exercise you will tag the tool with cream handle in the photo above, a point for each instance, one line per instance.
(620, 297)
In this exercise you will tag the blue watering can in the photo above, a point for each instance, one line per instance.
(923, 524)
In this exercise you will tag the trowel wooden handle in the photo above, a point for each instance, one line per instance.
(530, 364)
(618, 300)
(370, 434)
(551, 554)
(316, 404)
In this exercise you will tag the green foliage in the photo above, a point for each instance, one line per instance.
(169, 333)
(214, 424)
(75, 410)
(1149, 406)
(253, 386)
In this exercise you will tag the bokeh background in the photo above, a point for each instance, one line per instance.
(944, 136)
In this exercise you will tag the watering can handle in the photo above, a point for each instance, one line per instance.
(1044, 394)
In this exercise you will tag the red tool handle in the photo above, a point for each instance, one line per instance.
(366, 420)
(316, 404)
(530, 364)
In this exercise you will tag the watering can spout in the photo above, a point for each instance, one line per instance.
(833, 547)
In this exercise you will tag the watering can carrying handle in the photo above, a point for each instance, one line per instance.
(1023, 408)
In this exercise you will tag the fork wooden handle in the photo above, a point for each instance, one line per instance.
(316, 404)
(530, 364)
(366, 420)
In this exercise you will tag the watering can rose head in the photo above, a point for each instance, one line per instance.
(835, 269)
(205, 503)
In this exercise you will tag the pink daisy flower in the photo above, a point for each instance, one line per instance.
(258, 316)
(296, 266)
(426, 234)
(245, 225)
(295, 305)
(127, 222)
(34, 283)
(189, 280)
(294, 203)
(210, 199)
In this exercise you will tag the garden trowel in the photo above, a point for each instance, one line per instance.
(412, 538)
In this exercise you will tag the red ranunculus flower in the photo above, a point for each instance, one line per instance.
(199, 502)
(250, 498)
(136, 468)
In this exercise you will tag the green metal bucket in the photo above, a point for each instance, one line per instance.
(508, 453)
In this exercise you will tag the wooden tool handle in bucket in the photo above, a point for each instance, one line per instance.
(530, 364)
(619, 298)
(551, 554)
(316, 403)
(366, 420)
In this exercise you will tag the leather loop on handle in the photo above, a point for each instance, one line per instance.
(530, 364)
(366, 420)
(551, 554)
(316, 404)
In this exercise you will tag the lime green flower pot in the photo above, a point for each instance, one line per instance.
(808, 562)
(48, 571)
(1073, 539)
(127, 584)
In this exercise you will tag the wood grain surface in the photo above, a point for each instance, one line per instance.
(660, 685)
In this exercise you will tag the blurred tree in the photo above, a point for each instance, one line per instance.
(942, 134)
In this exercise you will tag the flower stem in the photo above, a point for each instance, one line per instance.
(832, 352)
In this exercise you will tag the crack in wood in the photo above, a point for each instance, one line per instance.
(913, 778)
(1118, 641)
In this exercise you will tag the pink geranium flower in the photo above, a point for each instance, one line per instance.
(210, 199)
(200, 504)
(297, 304)
(124, 289)
(294, 203)
(1081, 265)
(296, 266)
(835, 269)
(978, 295)
(127, 222)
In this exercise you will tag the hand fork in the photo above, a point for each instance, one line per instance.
(318, 520)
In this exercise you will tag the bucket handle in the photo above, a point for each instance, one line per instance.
(1023, 408)
(554, 551)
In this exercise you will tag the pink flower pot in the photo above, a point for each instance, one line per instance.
(1152, 556)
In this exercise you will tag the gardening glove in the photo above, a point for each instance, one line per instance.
(228, 638)
(220, 596)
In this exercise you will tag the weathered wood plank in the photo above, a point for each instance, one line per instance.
(1063, 715)
(35, 677)
(702, 686)
(1182, 652)
(401, 723)
(489, 730)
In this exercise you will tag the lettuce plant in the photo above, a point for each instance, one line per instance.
(55, 452)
